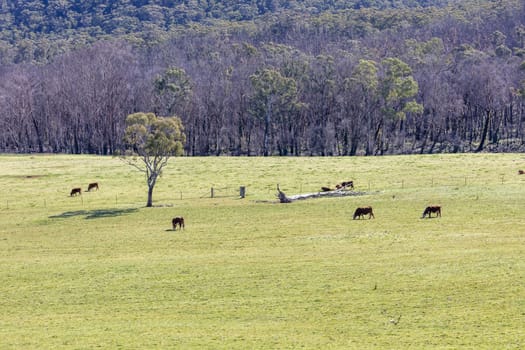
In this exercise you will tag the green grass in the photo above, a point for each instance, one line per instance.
(103, 271)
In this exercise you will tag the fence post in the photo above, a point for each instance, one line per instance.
(242, 191)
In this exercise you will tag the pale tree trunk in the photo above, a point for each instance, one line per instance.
(152, 180)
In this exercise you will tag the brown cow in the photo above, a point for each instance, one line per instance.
(325, 189)
(432, 209)
(76, 191)
(92, 186)
(345, 184)
(349, 184)
(521, 172)
(178, 221)
(362, 211)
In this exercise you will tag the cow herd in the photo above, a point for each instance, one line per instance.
(340, 186)
(77, 191)
(359, 213)
(362, 212)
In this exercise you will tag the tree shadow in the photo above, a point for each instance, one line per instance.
(95, 214)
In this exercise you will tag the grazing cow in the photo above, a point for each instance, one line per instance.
(361, 212)
(178, 221)
(349, 184)
(92, 186)
(521, 172)
(75, 191)
(432, 209)
(325, 189)
(345, 184)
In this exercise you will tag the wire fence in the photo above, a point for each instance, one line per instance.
(122, 199)
(258, 191)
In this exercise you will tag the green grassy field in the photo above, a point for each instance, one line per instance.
(102, 271)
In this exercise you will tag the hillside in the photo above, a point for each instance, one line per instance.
(277, 78)
(37, 30)
(27, 18)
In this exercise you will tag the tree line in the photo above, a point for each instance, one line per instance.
(355, 82)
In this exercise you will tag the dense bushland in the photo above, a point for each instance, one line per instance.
(293, 80)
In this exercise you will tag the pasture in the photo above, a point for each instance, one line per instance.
(100, 270)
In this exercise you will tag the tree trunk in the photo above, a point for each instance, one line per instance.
(149, 204)
(152, 179)
(484, 132)
(267, 126)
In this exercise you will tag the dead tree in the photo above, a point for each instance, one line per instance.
(283, 198)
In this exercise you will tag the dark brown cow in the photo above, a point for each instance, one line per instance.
(432, 209)
(345, 184)
(521, 172)
(348, 184)
(92, 186)
(362, 211)
(76, 191)
(178, 221)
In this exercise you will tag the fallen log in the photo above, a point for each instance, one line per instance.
(342, 192)
(282, 196)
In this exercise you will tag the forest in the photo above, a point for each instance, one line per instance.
(265, 77)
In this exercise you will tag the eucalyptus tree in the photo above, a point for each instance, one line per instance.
(359, 103)
(320, 93)
(150, 142)
(293, 64)
(173, 90)
(398, 89)
(273, 102)
(432, 66)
